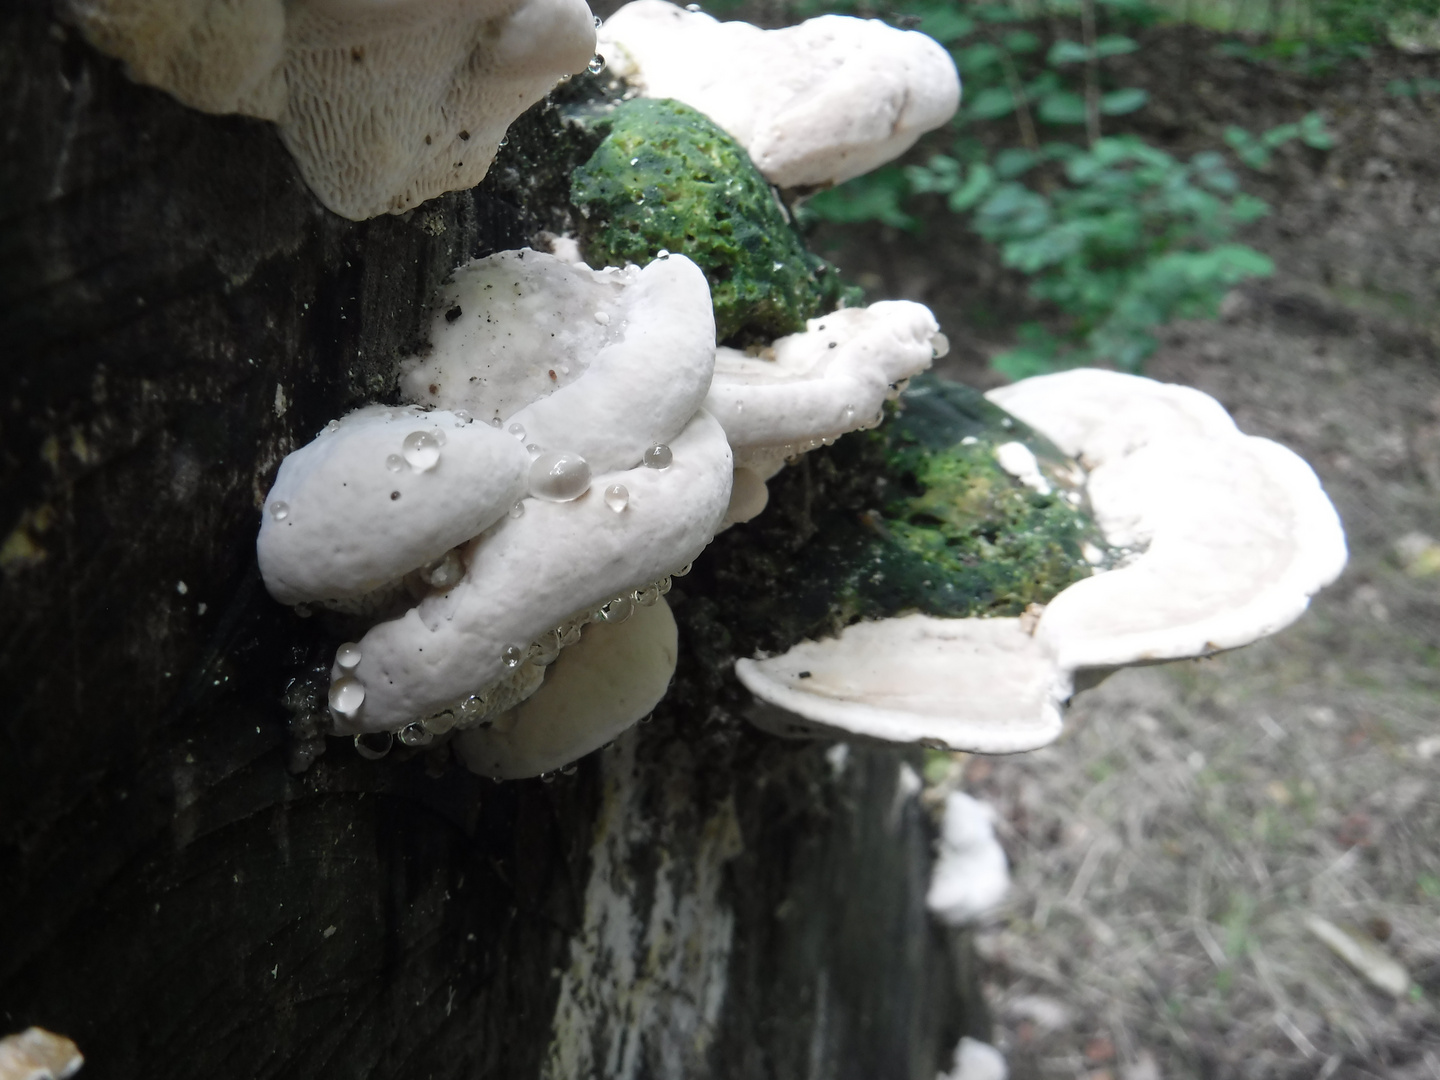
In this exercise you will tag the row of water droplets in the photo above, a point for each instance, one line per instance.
(347, 693)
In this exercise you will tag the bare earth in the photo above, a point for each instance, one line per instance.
(1168, 850)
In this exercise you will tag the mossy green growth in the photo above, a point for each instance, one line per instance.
(915, 515)
(666, 178)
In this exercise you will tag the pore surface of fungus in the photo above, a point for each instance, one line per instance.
(383, 105)
(1228, 536)
(814, 104)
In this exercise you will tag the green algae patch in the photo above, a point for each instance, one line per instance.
(916, 515)
(666, 178)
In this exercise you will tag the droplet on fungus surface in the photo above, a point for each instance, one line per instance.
(596, 65)
(559, 476)
(617, 497)
(618, 610)
(394, 463)
(279, 510)
(374, 745)
(518, 430)
(422, 450)
(416, 735)
(348, 656)
(347, 694)
(658, 457)
(518, 510)
(512, 656)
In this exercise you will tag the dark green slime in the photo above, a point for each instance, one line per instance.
(666, 178)
(906, 517)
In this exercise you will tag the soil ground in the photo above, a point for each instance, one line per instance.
(1167, 851)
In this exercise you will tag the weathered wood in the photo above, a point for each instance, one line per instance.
(176, 313)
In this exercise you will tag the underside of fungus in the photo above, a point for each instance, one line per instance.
(813, 104)
(382, 105)
(1230, 536)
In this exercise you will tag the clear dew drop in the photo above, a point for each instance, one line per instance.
(422, 450)
(512, 656)
(504, 141)
(279, 510)
(461, 417)
(374, 745)
(348, 656)
(693, 7)
(683, 570)
(559, 476)
(441, 722)
(596, 65)
(849, 413)
(496, 422)
(546, 648)
(618, 610)
(616, 497)
(518, 430)
(394, 463)
(518, 510)
(662, 254)
(598, 21)
(658, 457)
(347, 694)
(416, 735)
(445, 572)
(647, 596)
(739, 406)
(333, 426)
(663, 585)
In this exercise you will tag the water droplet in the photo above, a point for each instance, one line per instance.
(373, 745)
(596, 65)
(634, 161)
(445, 572)
(558, 476)
(616, 497)
(512, 656)
(602, 318)
(683, 570)
(279, 510)
(461, 417)
(441, 722)
(569, 770)
(439, 435)
(739, 406)
(533, 448)
(348, 656)
(647, 596)
(472, 707)
(303, 610)
(663, 585)
(422, 450)
(939, 346)
(496, 422)
(662, 254)
(849, 413)
(347, 694)
(504, 141)
(332, 426)
(547, 777)
(416, 735)
(518, 510)
(658, 457)
(598, 21)
(518, 430)
(693, 7)
(570, 632)
(395, 463)
(618, 610)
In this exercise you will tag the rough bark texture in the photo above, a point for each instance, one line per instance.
(177, 312)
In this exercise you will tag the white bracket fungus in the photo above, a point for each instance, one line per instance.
(1236, 533)
(606, 682)
(383, 105)
(37, 1054)
(379, 494)
(814, 104)
(570, 473)
(970, 876)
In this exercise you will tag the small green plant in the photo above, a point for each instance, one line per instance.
(1409, 88)
(1115, 235)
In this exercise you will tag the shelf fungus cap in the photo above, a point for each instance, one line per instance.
(982, 685)
(527, 574)
(813, 104)
(380, 493)
(382, 105)
(37, 1054)
(833, 377)
(1231, 535)
(598, 688)
(602, 363)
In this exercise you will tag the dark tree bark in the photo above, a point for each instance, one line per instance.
(177, 312)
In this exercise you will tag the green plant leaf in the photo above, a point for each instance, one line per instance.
(1119, 102)
(1065, 51)
(991, 103)
(978, 182)
(1062, 107)
(1313, 132)
(1015, 160)
(1115, 45)
(945, 24)
(1021, 42)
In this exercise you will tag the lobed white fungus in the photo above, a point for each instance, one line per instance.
(613, 677)
(382, 105)
(971, 875)
(1236, 533)
(814, 104)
